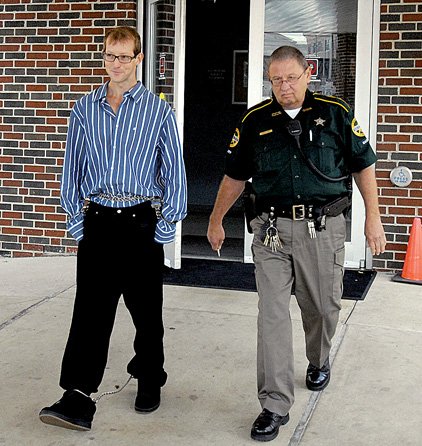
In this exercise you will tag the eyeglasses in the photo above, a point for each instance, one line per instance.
(291, 80)
(108, 57)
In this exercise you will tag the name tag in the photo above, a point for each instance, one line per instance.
(266, 132)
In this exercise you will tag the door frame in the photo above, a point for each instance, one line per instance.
(367, 52)
(173, 250)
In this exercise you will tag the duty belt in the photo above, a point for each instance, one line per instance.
(295, 212)
(309, 211)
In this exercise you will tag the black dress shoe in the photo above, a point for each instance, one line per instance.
(266, 426)
(74, 410)
(318, 378)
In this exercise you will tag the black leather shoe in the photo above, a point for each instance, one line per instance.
(318, 378)
(266, 426)
(74, 410)
(148, 400)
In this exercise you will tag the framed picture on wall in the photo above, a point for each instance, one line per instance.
(240, 77)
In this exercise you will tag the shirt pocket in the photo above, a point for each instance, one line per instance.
(324, 151)
(270, 157)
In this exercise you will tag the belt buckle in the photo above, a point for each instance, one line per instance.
(298, 212)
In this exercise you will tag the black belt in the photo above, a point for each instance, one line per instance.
(307, 211)
(295, 212)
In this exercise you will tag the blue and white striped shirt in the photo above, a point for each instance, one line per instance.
(134, 152)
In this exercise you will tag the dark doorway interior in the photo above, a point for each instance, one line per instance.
(217, 32)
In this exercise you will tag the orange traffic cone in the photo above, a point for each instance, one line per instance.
(412, 269)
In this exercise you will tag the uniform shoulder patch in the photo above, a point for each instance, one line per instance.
(235, 138)
(356, 128)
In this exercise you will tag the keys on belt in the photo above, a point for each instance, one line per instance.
(297, 212)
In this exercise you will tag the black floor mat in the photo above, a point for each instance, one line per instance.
(240, 276)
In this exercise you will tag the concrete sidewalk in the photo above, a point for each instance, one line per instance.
(374, 397)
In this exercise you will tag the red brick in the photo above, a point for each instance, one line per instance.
(399, 81)
(55, 233)
(414, 91)
(396, 137)
(30, 231)
(33, 247)
(394, 192)
(412, 18)
(389, 36)
(401, 211)
(22, 254)
(12, 214)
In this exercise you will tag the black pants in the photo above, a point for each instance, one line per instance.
(117, 256)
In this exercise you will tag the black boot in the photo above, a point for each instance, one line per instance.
(148, 398)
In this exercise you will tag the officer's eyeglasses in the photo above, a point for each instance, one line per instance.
(291, 80)
(108, 57)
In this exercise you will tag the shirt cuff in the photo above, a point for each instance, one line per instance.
(164, 232)
(76, 227)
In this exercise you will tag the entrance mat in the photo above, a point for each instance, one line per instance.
(356, 283)
(239, 276)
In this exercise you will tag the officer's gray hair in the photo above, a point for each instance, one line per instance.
(288, 52)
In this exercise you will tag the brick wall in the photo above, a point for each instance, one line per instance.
(399, 134)
(165, 45)
(50, 55)
(345, 68)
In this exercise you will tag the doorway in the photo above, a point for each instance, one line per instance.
(207, 59)
(217, 39)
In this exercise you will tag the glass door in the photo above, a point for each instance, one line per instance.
(339, 39)
(164, 74)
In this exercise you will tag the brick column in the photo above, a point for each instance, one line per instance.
(399, 134)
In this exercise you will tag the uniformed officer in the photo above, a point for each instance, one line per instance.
(300, 149)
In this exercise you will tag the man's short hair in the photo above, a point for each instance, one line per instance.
(288, 52)
(123, 33)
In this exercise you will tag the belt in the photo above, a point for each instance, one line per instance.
(309, 211)
(126, 198)
(296, 212)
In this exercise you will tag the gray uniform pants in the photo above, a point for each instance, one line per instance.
(315, 266)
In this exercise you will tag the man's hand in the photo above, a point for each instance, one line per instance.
(216, 235)
(375, 235)
(228, 192)
(374, 232)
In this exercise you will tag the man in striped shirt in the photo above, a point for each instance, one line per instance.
(123, 188)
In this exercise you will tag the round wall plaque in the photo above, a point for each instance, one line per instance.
(401, 176)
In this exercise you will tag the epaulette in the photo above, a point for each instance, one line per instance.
(256, 107)
(333, 100)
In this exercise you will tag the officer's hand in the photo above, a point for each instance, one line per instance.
(375, 235)
(216, 235)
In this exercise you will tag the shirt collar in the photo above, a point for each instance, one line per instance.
(135, 92)
(306, 102)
